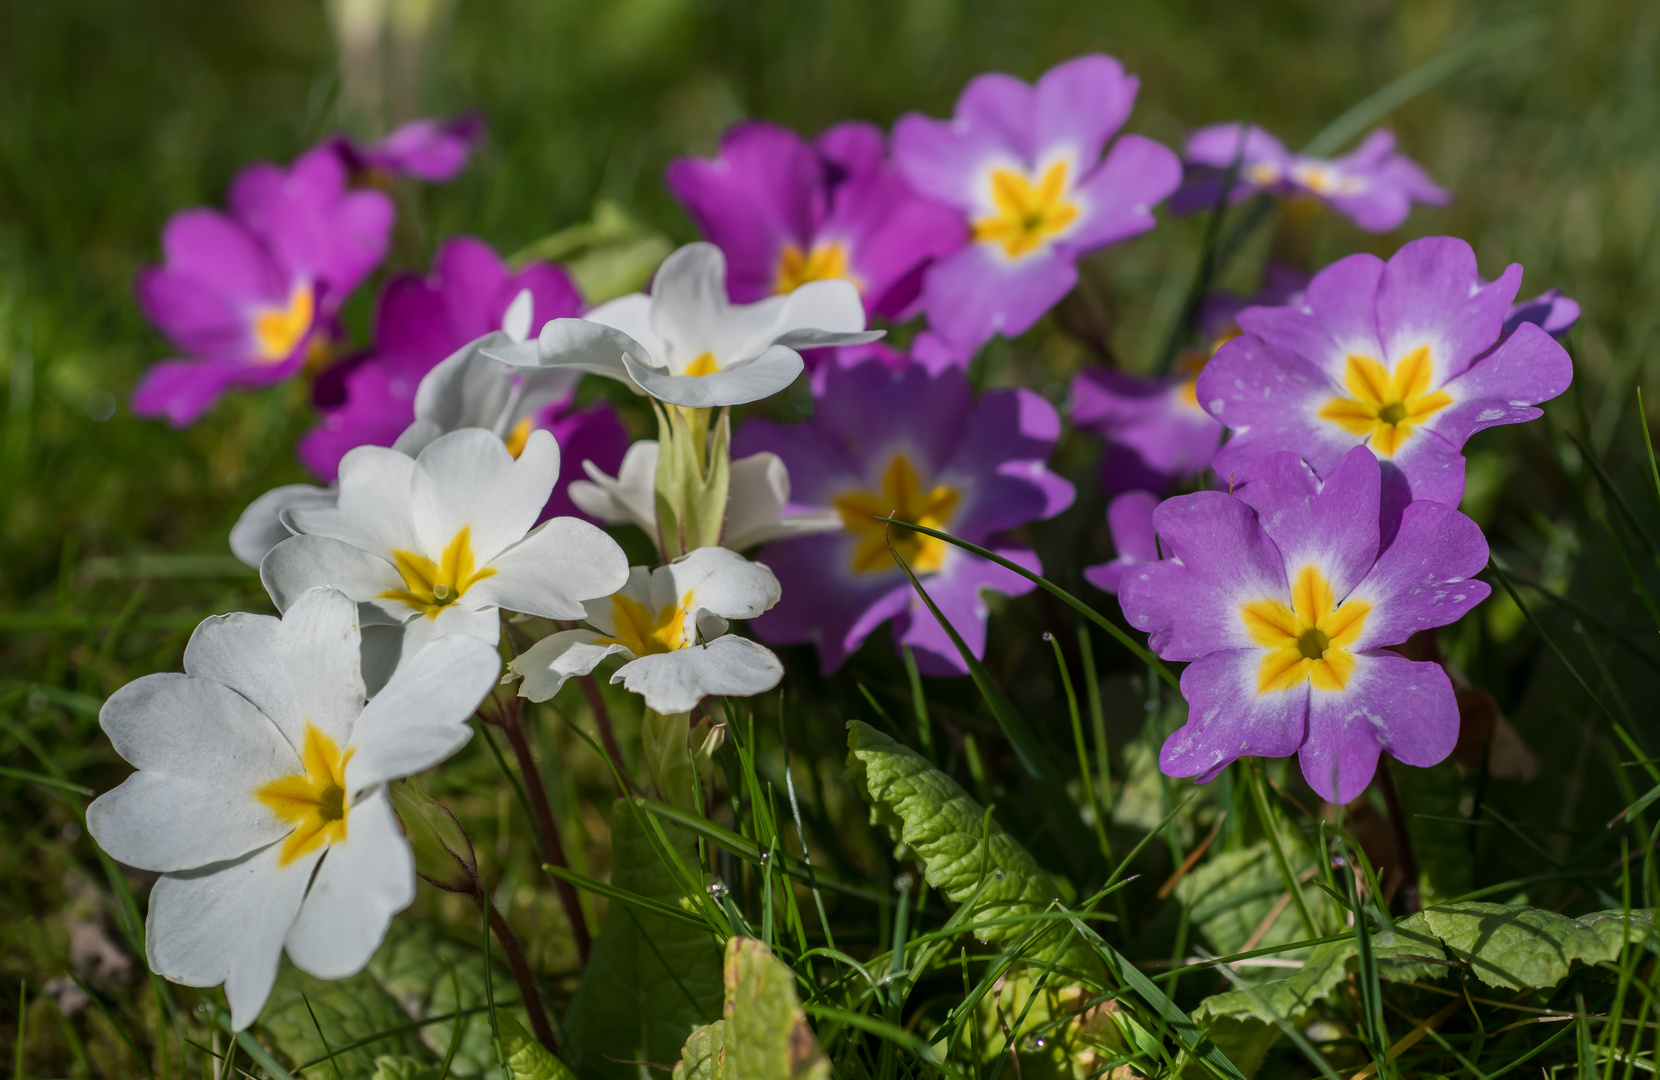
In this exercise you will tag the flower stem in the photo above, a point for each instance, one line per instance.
(530, 994)
(552, 846)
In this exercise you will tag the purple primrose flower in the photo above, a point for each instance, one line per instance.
(1130, 520)
(785, 212)
(430, 150)
(249, 295)
(1374, 187)
(1404, 357)
(423, 320)
(1283, 601)
(904, 442)
(1023, 164)
(1550, 311)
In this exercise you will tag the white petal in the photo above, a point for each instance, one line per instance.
(563, 562)
(442, 397)
(261, 528)
(364, 881)
(515, 322)
(382, 650)
(689, 308)
(760, 487)
(225, 923)
(631, 314)
(302, 563)
(201, 750)
(676, 681)
(750, 380)
(720, 581)
(819, 311)
(637, 587)
(630, 496)
(805, 523)
(547, 664)
(467, 479)
(581, 344)
(417, 436)
(513, 354)
(420, 717)
(373, 510)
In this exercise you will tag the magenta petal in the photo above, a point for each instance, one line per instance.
(891, 234)
(379, 403)
(1528, 368)
(469, 279)
(1391, 703)
(1079, 104)
(855, 147)
(1430, 293)
(977, 293)
(182, 390)
(193, 315)
(1130, 520)
(210, 249)
(1227, 718)
(1332, 526)
(1338, 316)
(958, 591)
(1119, 196)
(1425, 577)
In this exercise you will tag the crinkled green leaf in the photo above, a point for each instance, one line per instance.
(346, 1011)
(630, 1008)
(767, 1035)
(1230, 896)
(704, 1055)
(397, 1067)
(414, 965)
(526, 1058)
(1517, 947)
(1070, 1042)
(959, 846)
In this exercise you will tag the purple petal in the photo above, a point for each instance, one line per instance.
(1333, 526)
(1130, 520)
(1530, 367)
(1227, 718)
(1169, 434)
(854, 147)
(182, 390)
(890, 234)
(1079, 104)
(1430, 294)
(1269, 400)
(1425, 577)
(1219, 144)
(977, 293)
(959, 591)
(1549, 310)
(1118, 197)
(824, 604)
(1390, 703)
(1338, 316)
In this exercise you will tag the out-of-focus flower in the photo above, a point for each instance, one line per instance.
(671, 625)
(1130, 520)
(1155, 430)
(1397, 356)
(786, 212)
(260, 793)
(686, 344)
(758, 507)
(250, 295)
(430, 150)
(918, 446)
(1023, 164)
(1552, 312)
(1284, 601)
(1374, 187)
(438, 542)
(426, 376)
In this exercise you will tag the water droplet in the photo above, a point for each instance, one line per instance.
(718, 891)
(904, 882)
(998, 873)
(1047, 636)
(766, 857)
(1039, 1042)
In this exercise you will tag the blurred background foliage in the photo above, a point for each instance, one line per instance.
(112, 530)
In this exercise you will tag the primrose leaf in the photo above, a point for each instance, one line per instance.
(963, 851)
(415, 965)
(767, 1036)
(342, 1012)
(526, 1058)
(1231, 895)
(1517, 947)
(629, 1007)
(397, 1067)
(704, 1055)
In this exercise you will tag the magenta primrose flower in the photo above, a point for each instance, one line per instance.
(430, 150)
(250, 295)
(1374, 187)
(420, 322)
(1407, 357)
(1283, 601)
(1130, 520)
(917, 445)
(1023, 164)
(785, 212)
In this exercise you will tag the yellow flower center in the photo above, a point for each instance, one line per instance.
(431, 587)
(1325, 180)
(314, 801)
(277, 330)
(1385, 406)
(901, 496)
(705, 364)
(645, 634)
(824, 262)
(1308, 640)
(520, 435)
(1028, 214)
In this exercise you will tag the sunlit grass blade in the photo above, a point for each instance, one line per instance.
(623, 896)
(1056, 591)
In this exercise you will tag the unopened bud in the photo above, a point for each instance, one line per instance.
(443, 853)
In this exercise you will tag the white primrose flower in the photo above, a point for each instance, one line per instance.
(686, 344)
(671, 625)
(438, 542)
(757, 504)
(260, 793)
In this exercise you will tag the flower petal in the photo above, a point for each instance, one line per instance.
(301, 563)
(752, 380)
(723, 583)
(365, 880)
(1390, 703)
(563, 562)
(1425, 577)
(1227, 718)
(675, 682)
(373, 511)
(261, 528)
(420, 717)
(546, 665)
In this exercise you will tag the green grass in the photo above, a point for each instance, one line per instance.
(112, 532)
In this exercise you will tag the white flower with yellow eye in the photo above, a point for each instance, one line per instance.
(757, 505)
(438, 542)
(686, 344)
(260, 792)
(671, 625)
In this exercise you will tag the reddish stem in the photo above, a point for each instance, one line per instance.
(529, 993)
(553, 847)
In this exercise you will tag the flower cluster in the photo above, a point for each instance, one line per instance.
(472, 475)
